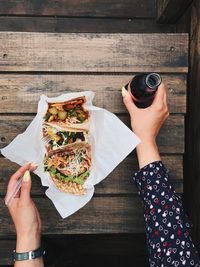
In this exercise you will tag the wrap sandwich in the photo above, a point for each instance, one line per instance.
(71, 114)
(69, 167)
(68, 153)
(59, 138)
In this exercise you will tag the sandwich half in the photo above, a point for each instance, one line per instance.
(69, 167)
(68, 114)
(59, 138)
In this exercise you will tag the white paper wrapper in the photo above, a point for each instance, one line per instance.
(111, 142)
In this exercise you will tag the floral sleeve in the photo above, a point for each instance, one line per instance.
(167, 226)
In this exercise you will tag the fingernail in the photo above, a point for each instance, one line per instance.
(124, 92)
(26, 176)
(34, 165)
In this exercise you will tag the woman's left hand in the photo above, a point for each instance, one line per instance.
(23, 211)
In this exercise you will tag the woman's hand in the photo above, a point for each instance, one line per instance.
(146, 124)
(24, 212)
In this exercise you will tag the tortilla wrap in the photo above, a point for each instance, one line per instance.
(72, 148)
(71, 101)
(67, 128)
(68, 187)
(49, 131)
(58, 173)
(70, 122)
(66, 125)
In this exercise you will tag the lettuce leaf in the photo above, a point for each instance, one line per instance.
(70, 178)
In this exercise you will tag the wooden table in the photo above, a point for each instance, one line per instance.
(32, 64)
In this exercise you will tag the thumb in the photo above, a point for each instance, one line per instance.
(26, 187)
(128, 101)
(160, 95)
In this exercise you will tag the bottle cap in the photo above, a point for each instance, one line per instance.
(153, 80)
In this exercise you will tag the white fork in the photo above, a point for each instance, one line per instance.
(46, 139)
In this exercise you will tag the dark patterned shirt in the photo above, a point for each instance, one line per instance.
(167, 226)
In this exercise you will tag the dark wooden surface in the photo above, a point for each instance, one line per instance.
(190, 22)
(22, 82)
(90, 250)
(84, 8)
(170, 11)
(140, 18)
(95, 217)
(21, 92)
(97, 52)
(77, 24)
(192, 166)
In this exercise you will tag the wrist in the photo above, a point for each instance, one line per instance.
(147, 140)
(27, 243)
(147, 152)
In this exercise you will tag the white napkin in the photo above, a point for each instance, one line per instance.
(111, 142)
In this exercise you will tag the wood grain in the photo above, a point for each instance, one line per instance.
(170, 139)
(170, 11)
(101, 215)
(99, 52)
(77, 24)
(192, 166)
(90, 249)
(83, 8)
(115, 208)
(118, 182)
(20, 93)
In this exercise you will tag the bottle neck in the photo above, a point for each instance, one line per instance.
(153, 80)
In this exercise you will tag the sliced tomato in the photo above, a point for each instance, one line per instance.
(69, 106)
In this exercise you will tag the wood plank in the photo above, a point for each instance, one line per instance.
(94, 260)
(71, 25)
(171, 136)
(170, 139)
(118, 182)
(170, 11)
(173, 130)
(101, 215)
(183, 24)
(83, 8)
(99, 52)
(7, 246)
(192, 166)
(87, 248)
(20, 93)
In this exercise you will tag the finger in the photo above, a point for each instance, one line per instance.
(17, 195)
(33, 167)
(26, 187)
(14, 178)
(165, 102)
(160, 95)
(128, 101)
(165, 97)
(20, 172)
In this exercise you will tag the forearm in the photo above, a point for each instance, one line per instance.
(147, 152)
(167, 225)
(25, 244)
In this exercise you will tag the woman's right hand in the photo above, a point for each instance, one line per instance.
(147, 122)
